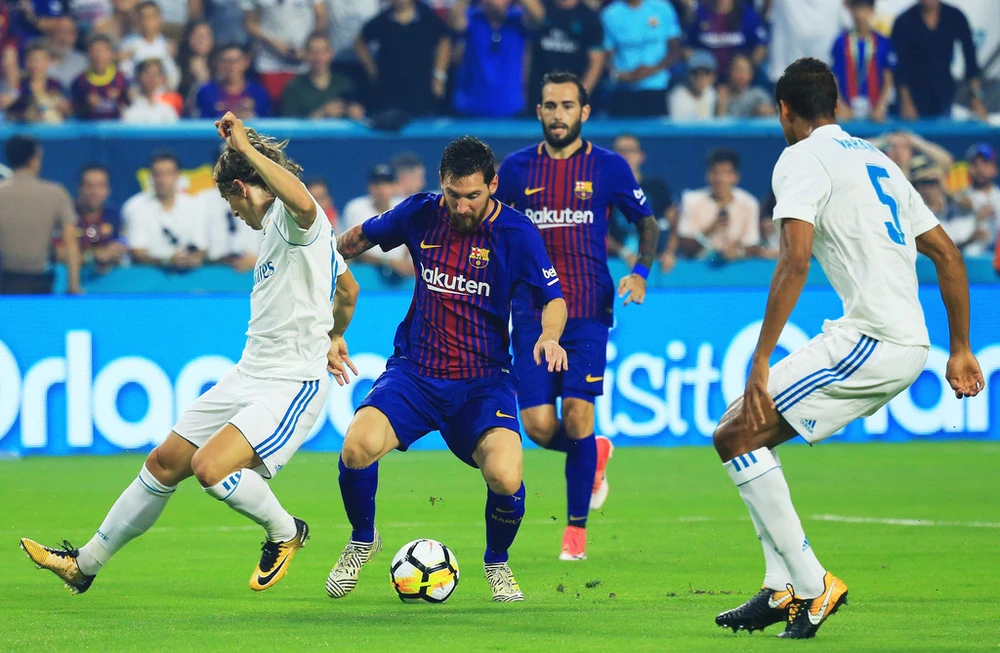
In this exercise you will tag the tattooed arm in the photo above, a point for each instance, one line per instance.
(633, 285)
(353, 243)
(649, 238)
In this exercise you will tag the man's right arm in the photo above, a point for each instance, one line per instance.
(387, 230)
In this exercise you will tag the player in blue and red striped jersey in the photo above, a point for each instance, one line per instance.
(451, 369)
(567, 187)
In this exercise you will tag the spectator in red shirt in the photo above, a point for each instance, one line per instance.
(101, 92)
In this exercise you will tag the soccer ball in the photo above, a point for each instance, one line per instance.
(424, 570)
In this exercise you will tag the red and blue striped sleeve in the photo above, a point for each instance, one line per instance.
(389, 229)
(532, 266)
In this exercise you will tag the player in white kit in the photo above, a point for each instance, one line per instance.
(844, 202)
(246, 427)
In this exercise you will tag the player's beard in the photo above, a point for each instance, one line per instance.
(572, 133)
(466, 224)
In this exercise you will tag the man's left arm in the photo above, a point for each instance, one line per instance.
(972, 69)
(71, 245)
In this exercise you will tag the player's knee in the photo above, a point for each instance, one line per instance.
(208, 470)
(357, 452)
(165, 468)
(578, 419)
(729, 439)
(505, 482)
(541, 430)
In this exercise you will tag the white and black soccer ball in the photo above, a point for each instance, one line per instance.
(424, 570)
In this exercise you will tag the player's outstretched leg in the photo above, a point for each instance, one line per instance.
(135, 511)
(599, 492)
(223, 467)
(499, 456)
(581, 467)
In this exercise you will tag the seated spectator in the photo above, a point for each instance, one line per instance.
(149, 43)
(165, 228)
(726, 28)
(101, 93)
(409, 69)
(41, 97)
(123, 22)
(68, 63)
(982, 198)
(490, 80)
(36, 18)
(231, 90)
(411, 176)
(98, 224)
(925, 37)
(721, 220)
(738, 99)
(319, 189)
(969, 235)
(697, 99)
(643, 40)
(279, 31)
(903, 146)
(660, 202)
(395, 265)
(571, 39)
(770, 237)
(231, 241)
(863, 61)
(151, 105)
(194, 59)
(320, 93)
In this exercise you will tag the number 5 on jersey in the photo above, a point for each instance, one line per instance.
(875, 173)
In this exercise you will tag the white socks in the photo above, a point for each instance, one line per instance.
(762, 486)
(248, 494)
(138, 508)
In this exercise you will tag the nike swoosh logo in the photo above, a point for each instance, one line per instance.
(818, 619)
(576, 518)
(593, 379)
(264, 580)
(774, 605)
(424, 245)
(532, 191)
(499, 414)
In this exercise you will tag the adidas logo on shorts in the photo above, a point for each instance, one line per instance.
(810, 424)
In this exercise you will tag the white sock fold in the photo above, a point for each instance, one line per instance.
(762, 487)
(135, 511)
(246, 492)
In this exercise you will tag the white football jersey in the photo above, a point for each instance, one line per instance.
(866, 217)
(291, 306)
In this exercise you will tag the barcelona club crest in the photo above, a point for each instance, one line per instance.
(479, 257)
(584, 190)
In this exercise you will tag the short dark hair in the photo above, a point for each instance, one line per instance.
(809, 89)
(406, 161)
(92, 167)
(146, 63)
(319, 34)
(20, 150)
(37, 45)
(466, 156)
(563, 77)
(724, 155)
(100, 38)
(862, 3)
(228, 46)
(146, 4)
(164, 155)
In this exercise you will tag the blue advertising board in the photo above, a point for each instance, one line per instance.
(99, 375)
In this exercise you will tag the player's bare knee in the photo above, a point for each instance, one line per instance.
(358, 452)
(505, 482)
(578, 418)
(165, 468)
(541, 430)
(207, 470)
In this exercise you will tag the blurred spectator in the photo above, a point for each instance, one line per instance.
(411, 175)
(280, 29)
(720, 220)
(163, 227)
(177, 13)
(347, 17)
(925, 37)
(660, 203)
(770, 238)
(194, 59)
(101, 92)
(409, 69)
(68, 63)
(738, 99)
(643, 39)
(863, 62)
(570, 38)
(902, 147)
(319, 189)
(30, 212)
(970, 237)
(87, 13)
(98, 226)
(490, 80)
(231, 90)
(36, 18)
(41, 97)
(696, 99)
(394, 265)
(982, 197)
(123, 22)
(149, 43)
(802, 28)
(231, 241)
(151, 105)
(226, 20)
(726, 28)
(320, 93)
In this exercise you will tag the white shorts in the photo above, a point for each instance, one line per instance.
(274, 416)
(839, 376)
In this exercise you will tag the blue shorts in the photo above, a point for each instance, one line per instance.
(586, 345)
(461, 409)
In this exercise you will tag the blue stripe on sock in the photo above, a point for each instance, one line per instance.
(235, 485)
(736, 464)
(825, 375)
(781, 396)
(263, 451)
(153, 489)
(843, 376)
(752, 458)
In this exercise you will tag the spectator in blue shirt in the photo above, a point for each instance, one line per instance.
(490, 80)
(231, 90)
(863, 61)
(726, 28)
(924, 37)
(642, 38)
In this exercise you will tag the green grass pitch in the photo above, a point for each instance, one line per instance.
(672, 548)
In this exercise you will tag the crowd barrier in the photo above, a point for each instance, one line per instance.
(103, 374)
